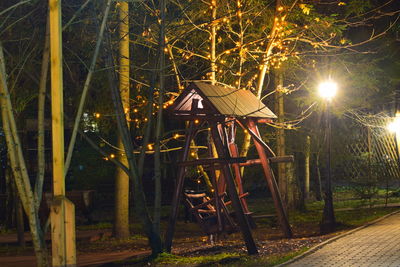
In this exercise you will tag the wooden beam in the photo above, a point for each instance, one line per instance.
(62, 212)
(255, 136)
(211, 161)
(251, 162)
(169, 235)
(273, 187)
(223, 151)
(57, 98)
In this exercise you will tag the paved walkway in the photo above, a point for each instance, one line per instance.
(375, 245)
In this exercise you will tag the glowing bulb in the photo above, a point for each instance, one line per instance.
(196, 121)
(327, 90)
(112, 156)
(394, 126)
(150, 146)
(97, 115)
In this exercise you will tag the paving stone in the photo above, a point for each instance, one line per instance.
(373, 246)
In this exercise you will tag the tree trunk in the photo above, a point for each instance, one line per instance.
(318, 183)
(158, 132)
(292, 186)
(138, 193)
(20, 173)
(261, 75)
(280, 137)
(213, 41)
(19, 216)
(300, 202)
(86, 85)
(41, 114)
(121, 216)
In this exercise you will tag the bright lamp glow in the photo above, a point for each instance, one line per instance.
(327, 89)
(394, 126)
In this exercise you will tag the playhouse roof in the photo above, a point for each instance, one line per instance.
(219, 100)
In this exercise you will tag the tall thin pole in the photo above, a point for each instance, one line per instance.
(328, 216)
(307, 167)
(57, 98)
(62, 210)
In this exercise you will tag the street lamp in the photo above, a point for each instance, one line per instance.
(394, 127)
(327, 90)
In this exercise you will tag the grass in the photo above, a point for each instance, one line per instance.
(221, 259)
(268, 261)
(166, 258)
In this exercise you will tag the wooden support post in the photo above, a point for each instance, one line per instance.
(223, 152)
(233, 149)
(62, 214)
(214, 181)
(178, 190)
(283, 219)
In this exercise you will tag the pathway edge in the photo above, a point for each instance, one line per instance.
(330, 240)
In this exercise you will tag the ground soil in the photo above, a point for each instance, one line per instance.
(97, 247)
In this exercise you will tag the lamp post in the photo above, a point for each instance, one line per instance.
(327, 90)
(394, 127)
